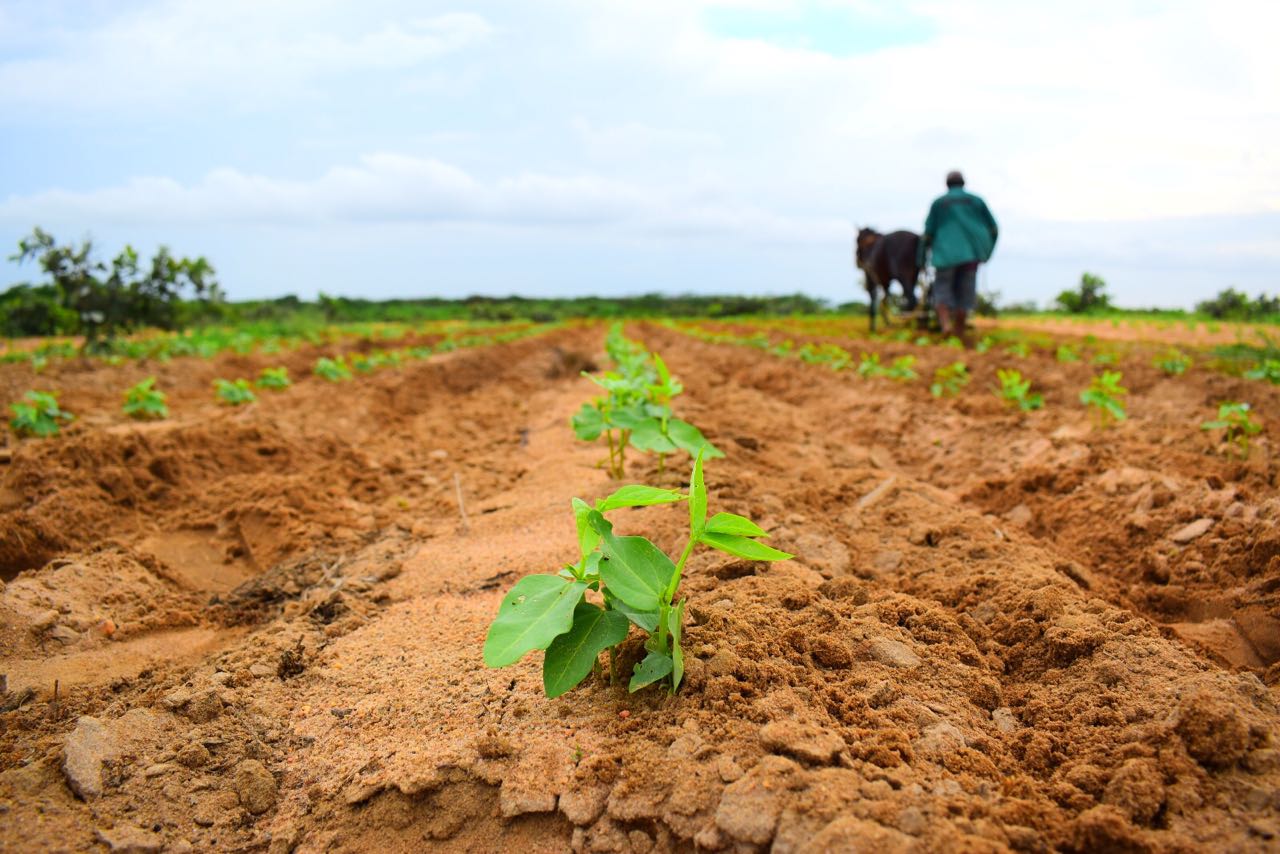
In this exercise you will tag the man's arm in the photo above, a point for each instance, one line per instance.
(930, 229)
(991, 222)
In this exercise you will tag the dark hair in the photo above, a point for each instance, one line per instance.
(955, 179)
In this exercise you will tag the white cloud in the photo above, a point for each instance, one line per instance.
(233, 51)
(387, 187)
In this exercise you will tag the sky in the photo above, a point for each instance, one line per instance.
(390, 148)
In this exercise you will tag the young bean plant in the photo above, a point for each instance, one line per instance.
(1267, 369)
(902, 369)
(949, 380)
(636, 584)
(870, 366)
(275, 379)
(144, 401)
(1066, 354)
(1238, 425)
(1173, 364)
(1016, 390)
(1103, 397)
(234, 392)
(38, 414)
(333, 370)
(635, 410)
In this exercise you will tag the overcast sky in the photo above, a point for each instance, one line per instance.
(553, 147)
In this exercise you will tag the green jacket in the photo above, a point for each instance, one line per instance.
(959, 230)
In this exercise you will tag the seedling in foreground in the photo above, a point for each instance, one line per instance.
(144, 401)
(949, 380)
(38, 414)
(333, 370)
(274, 378)
(1103, 397)
(1016, 390)
(637, 583)
(870, 366)
(1234, 418)
(234, 393)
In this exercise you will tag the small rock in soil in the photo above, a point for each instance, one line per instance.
(1191, 532)
(65, 634)
(584, 806)
(194, 755)
(89, 745)
(129, 839)
(1212, 731)
(807, 742)
(1005, 720)
(255, 787)
(893, 653)
(204, 706)
(45, 620)
(749, 807)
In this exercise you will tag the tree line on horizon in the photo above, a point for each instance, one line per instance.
(85, 296)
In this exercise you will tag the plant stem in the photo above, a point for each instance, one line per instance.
(670, 592)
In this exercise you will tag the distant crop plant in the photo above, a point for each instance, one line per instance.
(1173, 363)
(1104, 396)
(274, 379)
(333, 370)
(234, 392)
(949, 380)
(145, 402)
(38, 414)
(1016, 390)
(1237, 424)
(1267, 369)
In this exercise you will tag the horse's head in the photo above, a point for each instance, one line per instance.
(867, 238)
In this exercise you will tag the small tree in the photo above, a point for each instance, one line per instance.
(1092, 296)
(109, 300)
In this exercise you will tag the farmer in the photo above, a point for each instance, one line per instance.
(961, 233)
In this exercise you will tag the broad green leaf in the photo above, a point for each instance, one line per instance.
(588, 539)
(637, 571)
(742, 547)
(571, 656)
(675, 623)
(654, 667)
(537, 610)
(629, 417)
(731, 523)
(647, 620)
(637, 495)
(697, 497)
(589, 423)
(690, 438)
(647, 435)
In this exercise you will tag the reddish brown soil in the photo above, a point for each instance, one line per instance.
(989, 638)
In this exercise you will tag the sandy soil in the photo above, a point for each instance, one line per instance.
(1000, 631)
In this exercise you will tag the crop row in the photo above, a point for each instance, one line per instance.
(39, 413)
(209, 342)
(1104, 397)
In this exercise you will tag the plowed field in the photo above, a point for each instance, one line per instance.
(1001, 631)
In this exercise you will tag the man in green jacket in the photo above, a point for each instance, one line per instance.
(961, 233)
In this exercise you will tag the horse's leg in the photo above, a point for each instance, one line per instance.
(872, 290)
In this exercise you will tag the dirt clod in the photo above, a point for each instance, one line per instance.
(254, 786)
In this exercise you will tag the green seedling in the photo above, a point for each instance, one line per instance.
(1065, 354)
(1173, 364)
(834, 357)
(953, 342)
(923, 341)
(333, 370)
(1103, 398)
(144, 401)
(234, 392)
(38, 414)
(985, 344)
(1019, 349)
(1267, 369)
(635, 410)
(870, 366)
(902, 369)
(1015, 390)
(1238, 424)
(636, 582)
(1106, 357)
(363, 364)
(274, 378)
(949, 380)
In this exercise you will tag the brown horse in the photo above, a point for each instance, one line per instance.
(882, 258)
